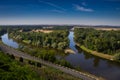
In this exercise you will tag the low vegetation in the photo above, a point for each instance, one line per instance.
(13, 70)
(10, 69)
(46, 54)
(105, 56)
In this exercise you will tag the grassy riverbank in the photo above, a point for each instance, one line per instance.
(101, 43)
(101, 55)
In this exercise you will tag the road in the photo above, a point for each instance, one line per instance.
(72, 72)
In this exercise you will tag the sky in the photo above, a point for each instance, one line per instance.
(80, 12)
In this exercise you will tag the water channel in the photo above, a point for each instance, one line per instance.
(97, 66)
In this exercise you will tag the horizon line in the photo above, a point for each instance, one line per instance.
(57, 24)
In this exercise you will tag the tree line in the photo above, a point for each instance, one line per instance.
(56, 39)
(2, 31)
(107, 42)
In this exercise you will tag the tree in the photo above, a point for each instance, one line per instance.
(62, 45)
(117, 56)
(41, 39)
(38, 64)
(98, 40)
(12, 56)
(54, 45)
(12, 70)
(21, 59)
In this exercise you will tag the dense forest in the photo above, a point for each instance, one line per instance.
(107, 42)
(57, 39)
(13, 70)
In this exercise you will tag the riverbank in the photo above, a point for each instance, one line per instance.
(95, 53)
(39, 69)
(89, 63)
(73, 72)
(64, 51)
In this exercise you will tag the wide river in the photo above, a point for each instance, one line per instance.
(97, 66)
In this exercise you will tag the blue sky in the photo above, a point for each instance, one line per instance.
(87, 12)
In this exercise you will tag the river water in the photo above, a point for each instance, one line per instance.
(97, 66)
(8, 41)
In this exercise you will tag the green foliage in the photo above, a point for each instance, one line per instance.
(62, 27)
(56, 39)
(21, 59)
(32, 63)
(62, 45)
(64, 63)
(38, 64)
(2, 31)
(55, 74)
(102, 41)
(26, 41)
(117, 56)
(47, 56)
(54, 45)
(12, 70)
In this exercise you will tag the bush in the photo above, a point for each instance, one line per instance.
(12, 70)
(21, 59)
(117, 56)
(31, 62)
(64, 63)
(38, 64)
(12, 56)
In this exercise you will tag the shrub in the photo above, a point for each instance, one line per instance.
(21, 59)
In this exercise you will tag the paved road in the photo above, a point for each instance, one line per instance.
(72, 72)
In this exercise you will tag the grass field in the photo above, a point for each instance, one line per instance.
(108, 29)
(41, 30)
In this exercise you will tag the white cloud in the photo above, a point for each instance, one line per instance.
(58, 11)
(81, 8)
(52, 4)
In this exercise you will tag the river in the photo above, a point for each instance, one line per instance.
(97, 66)
(8, 41)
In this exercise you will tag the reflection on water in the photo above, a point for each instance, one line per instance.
(95, 65)
(100, 67)
(72, 43)
(96, 62)
(10, 42)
